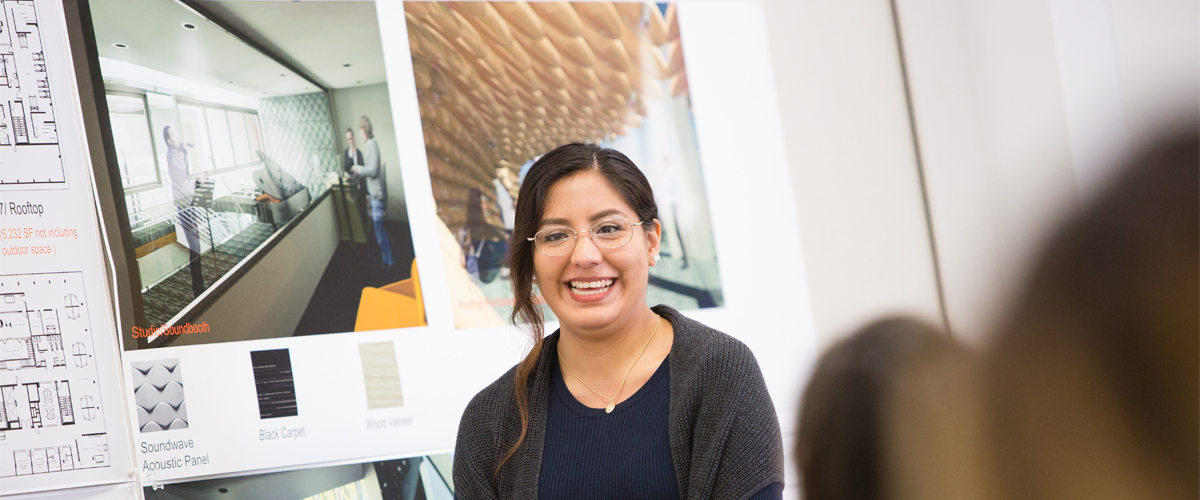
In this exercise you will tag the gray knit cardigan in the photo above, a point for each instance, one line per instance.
(724, 433)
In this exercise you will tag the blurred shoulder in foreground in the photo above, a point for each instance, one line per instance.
(1093, 379)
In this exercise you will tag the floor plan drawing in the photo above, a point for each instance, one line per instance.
(29, 149)
(50, 415)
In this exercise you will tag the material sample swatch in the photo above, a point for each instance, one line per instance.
(381, 375)
(158, 391)
(273, 381)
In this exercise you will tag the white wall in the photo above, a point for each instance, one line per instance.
(1158, 61)
(992, 129)
(850, 150)
(1022, 109)
(372, 101)
(1020, 106)
(1129, 70)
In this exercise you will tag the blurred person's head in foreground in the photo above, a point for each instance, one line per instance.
(1093, 380)
(887, 414)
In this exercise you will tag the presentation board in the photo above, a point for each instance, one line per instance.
(315, 242)
(62, 413)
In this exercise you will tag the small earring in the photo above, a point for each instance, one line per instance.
(656, 258)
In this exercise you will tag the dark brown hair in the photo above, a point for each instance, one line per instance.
(562, 162)
(840, 444)
(1093, 377)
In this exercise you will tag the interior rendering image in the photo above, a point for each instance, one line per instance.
(246, 146)
(501, 83)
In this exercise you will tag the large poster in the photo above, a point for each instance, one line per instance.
(275, 297)
(501, 83)
(62, 417)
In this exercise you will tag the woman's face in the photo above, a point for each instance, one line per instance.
(569, 282)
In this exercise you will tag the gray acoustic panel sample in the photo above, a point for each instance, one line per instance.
(158, 392)
(381, 375)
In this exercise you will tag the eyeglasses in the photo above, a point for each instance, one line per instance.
(553, 241)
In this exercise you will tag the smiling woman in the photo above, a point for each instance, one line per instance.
(648, 389)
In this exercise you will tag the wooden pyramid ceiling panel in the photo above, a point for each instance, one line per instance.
(500, 83)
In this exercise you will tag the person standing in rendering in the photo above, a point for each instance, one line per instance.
(182, 190)
(470, 236)
(372, 171)
(624, 400)
(352, 156)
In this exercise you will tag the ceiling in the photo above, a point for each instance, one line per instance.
(319, 38)
(499, 83)
(156, 39)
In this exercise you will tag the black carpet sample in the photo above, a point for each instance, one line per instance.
(273, 381)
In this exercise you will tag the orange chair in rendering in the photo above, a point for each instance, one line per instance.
(398, 305)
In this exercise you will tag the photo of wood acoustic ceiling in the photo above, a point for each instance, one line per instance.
(500, 83)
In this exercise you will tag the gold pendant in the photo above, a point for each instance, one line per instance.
(609, 408)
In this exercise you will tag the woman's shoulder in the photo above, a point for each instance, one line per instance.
(481, 433)
(486, 421)
(716, 384)
(492, 401)
(703, 346)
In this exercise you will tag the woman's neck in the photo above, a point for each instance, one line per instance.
(603, 358)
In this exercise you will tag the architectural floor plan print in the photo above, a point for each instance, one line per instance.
(29, 150)
(50, 416)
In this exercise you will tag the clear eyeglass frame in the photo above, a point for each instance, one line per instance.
(568, 245)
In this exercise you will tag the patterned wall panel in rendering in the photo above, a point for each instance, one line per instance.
(298, 135)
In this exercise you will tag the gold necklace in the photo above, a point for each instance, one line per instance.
(612, 401)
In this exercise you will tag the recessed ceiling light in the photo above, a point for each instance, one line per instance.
(189, 26)
(120, 46)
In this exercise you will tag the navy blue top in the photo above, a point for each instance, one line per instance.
(590, 454)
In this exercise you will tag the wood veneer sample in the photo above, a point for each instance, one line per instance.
(381, 375)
